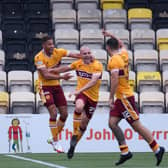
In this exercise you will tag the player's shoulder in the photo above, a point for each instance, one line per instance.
(116, 61)
(124, 51)
(59, 50)
(39, 55)
(117, 57)
(97, 64)
(78, 62)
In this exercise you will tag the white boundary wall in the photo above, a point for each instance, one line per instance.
(98, 137)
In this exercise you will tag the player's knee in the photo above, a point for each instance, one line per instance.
(79, 108)
(53, 116)
(53, 111)
(64, 116)
(79, 105)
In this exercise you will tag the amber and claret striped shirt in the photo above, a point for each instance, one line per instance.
(120, 62)
(42, 60)
(84, 74)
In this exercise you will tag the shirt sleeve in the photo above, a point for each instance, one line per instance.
(39, 63)
(74, 65)
(63, 52)
(115, 64)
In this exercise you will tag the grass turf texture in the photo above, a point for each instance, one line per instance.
(83, 160)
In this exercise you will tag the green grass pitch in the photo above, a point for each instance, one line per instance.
(83, 160)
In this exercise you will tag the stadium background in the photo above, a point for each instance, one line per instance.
(141, 24)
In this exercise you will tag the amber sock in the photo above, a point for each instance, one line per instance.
(80, 133)
(60, 125)
(53, 128)
(76, 122)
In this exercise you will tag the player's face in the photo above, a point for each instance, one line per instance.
(87, 57)
(48, 46)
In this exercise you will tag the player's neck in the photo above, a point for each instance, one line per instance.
(87, 62)
(46, 53)
(115, 52)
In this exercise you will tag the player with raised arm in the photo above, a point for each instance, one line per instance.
(124, 105)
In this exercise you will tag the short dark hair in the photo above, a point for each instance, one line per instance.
(113, 43)
(46, 38)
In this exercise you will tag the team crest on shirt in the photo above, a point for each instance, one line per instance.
(47, 97)
(39, 63)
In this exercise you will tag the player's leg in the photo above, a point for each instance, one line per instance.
(79, 108)
(62, 119)
(75, 138)
(80, 103)
(61, 104)
(49, 103)
(125, 153)
(53, 127)
(147, 135)
(113, 125)
(114, 119)
(53, 115)
(87, 107)
(133, 120)
(47, 94)
(83, 125)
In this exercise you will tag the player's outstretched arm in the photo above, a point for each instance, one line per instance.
(75, 55)
(114, 85)
(60, 69)
(50, 76)
(91, 83)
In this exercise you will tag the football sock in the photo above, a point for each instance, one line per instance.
(80, 133)
(53, 128)
(154, 146)
(76, 122)
(60, 125)
(124, 149)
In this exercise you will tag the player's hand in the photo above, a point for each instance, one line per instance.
(106, 34)
(75, 93)
(111, 104)
(67, 76)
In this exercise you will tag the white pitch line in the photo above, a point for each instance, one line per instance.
(36, 161)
